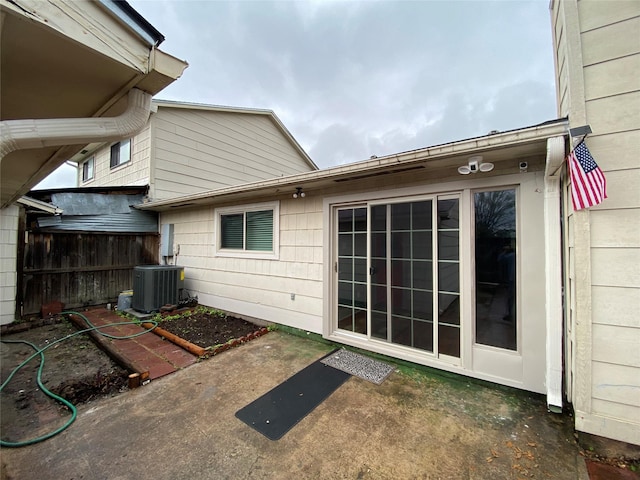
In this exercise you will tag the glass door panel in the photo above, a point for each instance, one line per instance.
(352, 269)
(495, 275)
(411, 274)
(449, 277)
(379, 273)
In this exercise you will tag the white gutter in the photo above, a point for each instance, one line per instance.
(41, 133)
(460, 148)
(553, 271)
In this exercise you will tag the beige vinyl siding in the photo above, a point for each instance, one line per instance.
(614, 114)
(134, 172)
(609, 41)
(596, 13)
(255, 287)
(616, 384)
(8, 255)
(199, 150)
(185, 150)
(623, 145)
(617, 345)
(616, 306)
(608, 78)
(598, 66)
(615, 229)
(622, 191)
(614, 410)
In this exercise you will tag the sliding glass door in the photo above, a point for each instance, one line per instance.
(411, 271)
(441, 279)
(402, 274)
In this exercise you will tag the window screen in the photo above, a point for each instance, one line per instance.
(251, 231)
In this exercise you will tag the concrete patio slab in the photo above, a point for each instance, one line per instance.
(414, 425)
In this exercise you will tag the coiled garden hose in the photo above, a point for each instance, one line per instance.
(40, 353)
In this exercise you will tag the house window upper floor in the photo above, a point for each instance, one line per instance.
(120, 153)
(248, 231)
(88, 167)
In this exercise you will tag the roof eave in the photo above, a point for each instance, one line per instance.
(136, 22)
(458, 148)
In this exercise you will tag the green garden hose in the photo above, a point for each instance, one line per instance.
(40, 353)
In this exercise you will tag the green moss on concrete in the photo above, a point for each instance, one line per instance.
(423, 374)
(302, 334)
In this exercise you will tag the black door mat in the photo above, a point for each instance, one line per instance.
(359, 365)
(280, 409)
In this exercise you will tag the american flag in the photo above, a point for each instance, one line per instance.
(588, 185)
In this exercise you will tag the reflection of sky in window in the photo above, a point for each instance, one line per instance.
(125, 151)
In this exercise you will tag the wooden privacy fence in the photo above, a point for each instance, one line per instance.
(80, 269)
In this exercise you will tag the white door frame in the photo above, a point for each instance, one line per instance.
(524, 369)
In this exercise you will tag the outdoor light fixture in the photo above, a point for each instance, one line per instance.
(475, 165)
(299, 193)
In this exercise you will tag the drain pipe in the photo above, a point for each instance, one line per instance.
(553, 259)
(41, 133)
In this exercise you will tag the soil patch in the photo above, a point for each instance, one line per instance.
(208, 329)
(77, 370)
(74, 369)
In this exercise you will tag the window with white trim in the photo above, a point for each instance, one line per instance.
(250, 231)
(87, 169)
(120, 153)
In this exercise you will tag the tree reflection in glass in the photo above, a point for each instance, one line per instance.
(495, 268)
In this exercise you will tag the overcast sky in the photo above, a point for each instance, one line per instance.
(352, 79)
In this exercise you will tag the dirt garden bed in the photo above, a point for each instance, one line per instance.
(77, 370)
(207, 327)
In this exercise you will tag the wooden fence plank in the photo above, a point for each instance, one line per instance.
(81, 269)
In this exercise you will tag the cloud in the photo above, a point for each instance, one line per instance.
(64, 176)
(520, 105)
(360, 78)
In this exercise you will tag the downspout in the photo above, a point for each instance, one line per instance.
(553, 272)
(41, 133)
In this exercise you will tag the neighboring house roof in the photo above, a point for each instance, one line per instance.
(96, 210)
(66, 61)
(499, 148)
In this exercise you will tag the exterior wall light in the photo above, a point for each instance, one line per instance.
(299, 193)
(475, 165)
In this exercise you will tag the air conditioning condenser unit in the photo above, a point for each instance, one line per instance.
(155, 286)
